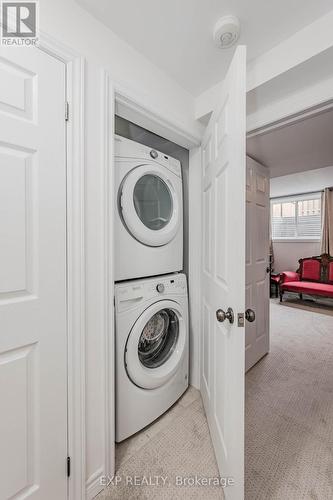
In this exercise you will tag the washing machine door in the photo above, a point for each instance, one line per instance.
(156, 345)
(149, 204)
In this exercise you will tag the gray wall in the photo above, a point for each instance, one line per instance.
(134, 132)
(287, 254)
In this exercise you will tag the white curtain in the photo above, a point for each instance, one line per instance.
(327, 222)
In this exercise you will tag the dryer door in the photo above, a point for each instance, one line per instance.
(156, 345)
(150, 206)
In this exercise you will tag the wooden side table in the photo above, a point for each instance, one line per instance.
(275, 281)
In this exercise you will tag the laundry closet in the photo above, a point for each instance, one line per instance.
(151, 262)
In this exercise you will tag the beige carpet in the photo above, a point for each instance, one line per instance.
(322, 305)
(177, 444)
(289, 410)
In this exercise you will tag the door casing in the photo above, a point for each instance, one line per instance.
(74, 63)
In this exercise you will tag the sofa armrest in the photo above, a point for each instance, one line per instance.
(289, 276)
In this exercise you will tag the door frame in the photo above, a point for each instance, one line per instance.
(116, 100)
(75, 176)
(284, 121)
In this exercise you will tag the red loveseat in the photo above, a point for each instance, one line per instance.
(314, 277)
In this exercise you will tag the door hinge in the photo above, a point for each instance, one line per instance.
(240, 319)
(66, 111)
(68, 466)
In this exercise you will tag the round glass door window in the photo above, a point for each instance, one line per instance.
(158, 338)
(153, 201)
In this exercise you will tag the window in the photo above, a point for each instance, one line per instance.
(296, 217)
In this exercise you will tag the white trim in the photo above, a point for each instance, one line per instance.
(289, 119)
(145, 117)
(94, 485)
(75, 261)
(194, 278)
(108, 271)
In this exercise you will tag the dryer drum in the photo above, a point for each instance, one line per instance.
(158, 339)
(153, 201)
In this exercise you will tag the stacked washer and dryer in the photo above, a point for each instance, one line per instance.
(151, 300)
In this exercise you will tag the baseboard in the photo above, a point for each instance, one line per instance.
(93, 485)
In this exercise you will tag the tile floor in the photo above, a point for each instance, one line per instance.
(177, 444)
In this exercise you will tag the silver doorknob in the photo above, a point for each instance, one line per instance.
(222, 316)
(250, 315)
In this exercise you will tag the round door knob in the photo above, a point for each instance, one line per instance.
(250, 315)
(160, 288)
(222, 316)
(153, 153)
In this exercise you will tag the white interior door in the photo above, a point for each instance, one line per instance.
(33, 340)
(257, 261)
(223, 274)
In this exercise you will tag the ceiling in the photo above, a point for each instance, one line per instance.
(300, 146)
(176, 35)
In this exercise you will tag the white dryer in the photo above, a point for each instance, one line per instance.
(149, 212)
(151, 349)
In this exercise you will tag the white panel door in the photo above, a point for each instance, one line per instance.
(33, 339)
(257, 261)
(223, 274)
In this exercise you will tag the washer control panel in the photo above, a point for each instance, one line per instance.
(168, 285)
(129, 295)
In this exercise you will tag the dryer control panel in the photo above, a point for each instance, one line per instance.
(125, 148)
(130, 294)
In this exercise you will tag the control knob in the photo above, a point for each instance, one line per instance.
(160, 288)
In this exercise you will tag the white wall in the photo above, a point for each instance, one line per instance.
(70, 24)
(302, 182)
(273, 74)
(287, 254)
(301, 46)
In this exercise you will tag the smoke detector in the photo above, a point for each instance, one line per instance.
(226, 32)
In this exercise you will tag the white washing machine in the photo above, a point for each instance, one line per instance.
(149, 212)
(151, 349)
